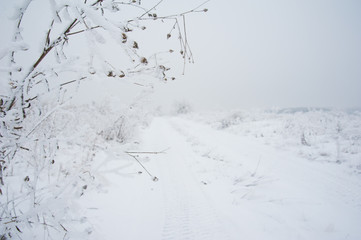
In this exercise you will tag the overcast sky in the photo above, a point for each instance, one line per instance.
(267, 53)
(279, 53)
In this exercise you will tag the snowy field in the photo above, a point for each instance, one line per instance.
(91, 148)
(278, 174)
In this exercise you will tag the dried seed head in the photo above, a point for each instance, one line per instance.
(144, 60)
(205, 10)
(171, 50)
(122, 74)
(110, 74)
(115, 8)
(124, 37)
(91, 70)
(17, 228)
(168, 35)
(135, 45)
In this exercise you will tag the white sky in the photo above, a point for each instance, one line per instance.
(262, 53)
(279, 53)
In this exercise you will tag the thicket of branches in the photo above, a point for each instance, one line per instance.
(35, 191)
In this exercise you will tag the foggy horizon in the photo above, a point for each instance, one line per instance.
(261, 54)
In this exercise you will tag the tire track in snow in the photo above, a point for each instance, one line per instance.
(188, 212)
(280, 201)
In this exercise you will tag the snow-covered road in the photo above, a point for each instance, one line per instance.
(217, 185)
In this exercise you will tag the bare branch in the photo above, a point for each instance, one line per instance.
(53, 44)
(154, 178)
(32, 141)
(185, 44)
(72, 81)
(47, 41)
(160, 152)
(151, 9)
(80, 31)
(194, 10)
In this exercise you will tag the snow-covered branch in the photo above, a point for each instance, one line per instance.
(37, 189)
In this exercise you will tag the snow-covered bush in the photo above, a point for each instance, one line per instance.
(56, 46)
(323, 135)
(233, 119)
(181, 108)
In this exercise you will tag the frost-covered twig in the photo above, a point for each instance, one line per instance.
(38, 84)
(154, 178)
(144, 152)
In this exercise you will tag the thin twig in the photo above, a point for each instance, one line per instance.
(75, 80)
(63, 227)
(144, 152)
(131, 4)
(52, 45)
(42, 120)
(151, 9)
(255, 171)
(80, 31)
(185, 44)
(202, 4)
(194, 10)
(160, 152)
(141, 164)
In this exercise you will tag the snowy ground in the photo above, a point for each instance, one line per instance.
(240, 175)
